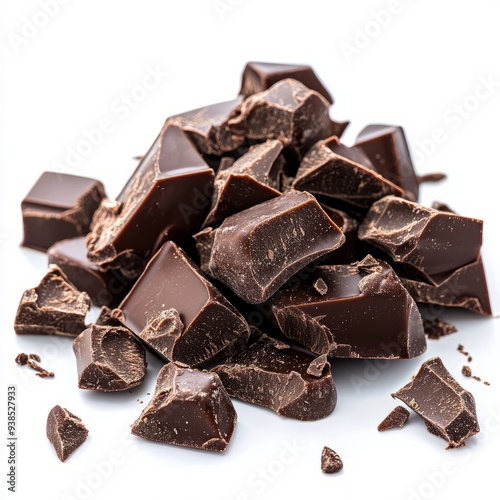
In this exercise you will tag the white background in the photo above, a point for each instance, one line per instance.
(64, 78)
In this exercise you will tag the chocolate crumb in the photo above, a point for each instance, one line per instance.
(41, 372)
(330, 461)
(320, 286)
(466, 371)
(396, 418)
(21, 358)
(434, 177)
(469, 359)
(35, 357)
(475, 377)
(437, 328)
(486, 383)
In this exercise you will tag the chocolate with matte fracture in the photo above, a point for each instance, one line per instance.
(396, 419)
(59, 206)
(189, 408)
(323, 171)
(212, 326)
(289, 380)
(429, 243)
(166, 198)
(365, 313)
(104, 287)
(65, 431)
(110, 317)
(447, 408)
(256, 251)
(352, 153)
(437, 328)
(387, 148)
(330, 461)
(252, 179)
(54, 307)
(109, 359)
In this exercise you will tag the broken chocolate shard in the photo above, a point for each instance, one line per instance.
(435, 177)
(443, 207)
(189, 408)
(166, 198)
(388, 150)
(110, 317)
(65, 431)
(331, 462)
(54, 307)
(353, 153)
(41, 372)
(396, 419)
(59, 206)
(288, 380)
(109, 359)
(337, 128)
(363, 297)
(448, 409)
(21, 358)
(320, 286)
(437, 328)
(257, 250)
(429, 243)
(466, 371)
(212, 326)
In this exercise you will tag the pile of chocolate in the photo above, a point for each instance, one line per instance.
(248, 248)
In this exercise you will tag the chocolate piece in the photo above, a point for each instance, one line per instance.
(225, 162)
(166, 198)
(256, 251)
(31, 360)
(287, 111)
(251, 180)
(435, 177)
(387, 148)
(204, 242)
(466, 288)
(54, 307)
(189, 408)
(288, 380)
(65, 431)
(324, 172)
(437, 205)
(259, 76)
(353, 153)
(59, 206)
(320, 286)
(109, 358)
(212, 326)
(330, 461)
(431, 244)
(21, 358)
(338, 128)
(110, 317)
(466, 371)
(105, 288)
(397, 418)
(461, 350)
(437, 328)
(365, 313)
(448, 409)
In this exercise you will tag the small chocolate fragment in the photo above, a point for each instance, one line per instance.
(259, 76)
(256, 251)
(212, 326)
(54, 307)
(109, 358)
(22, 358)
(110, 317)
(437, 328)
(289, 380)
(320, 286)
(365, 313)
(431, 244)
(387, 148)
(337, 128)
(448, 409)
(466, 371)
(65, 431)
(435, 177)
(189, 408)
(105, 288)
(397, 418)
(59, 206)
(330, 461)
(443, 207)
(41, 372)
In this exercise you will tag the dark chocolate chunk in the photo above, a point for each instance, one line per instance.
(110, 317)
(105, 288)
(289, 380)
(54, 307)
(330, 461)
(59, 206)
(259, 76)
(396, 419)
(365, 313)
(353, 153)
(109, 358)
(431, 244)
(448, 409)
(166, 198)
(320, 286)
(387, 148)
(65, 431)
(212, 326)
(256, 251)
(437, 328)
(435, 177)
(189, 408)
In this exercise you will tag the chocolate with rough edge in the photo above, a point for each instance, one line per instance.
(256, 251)
(331, 462)
(189, 408)
(365, 313)
(65, 431)
(109, 359)
(352, 153)
(448, 409)
(437, 328)
(289, 380)
(396, 419)
(54, 307)
(166, 198)
(213, 328)
(110, 317)
(59, 206)
(337, 128)
(429, 243)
